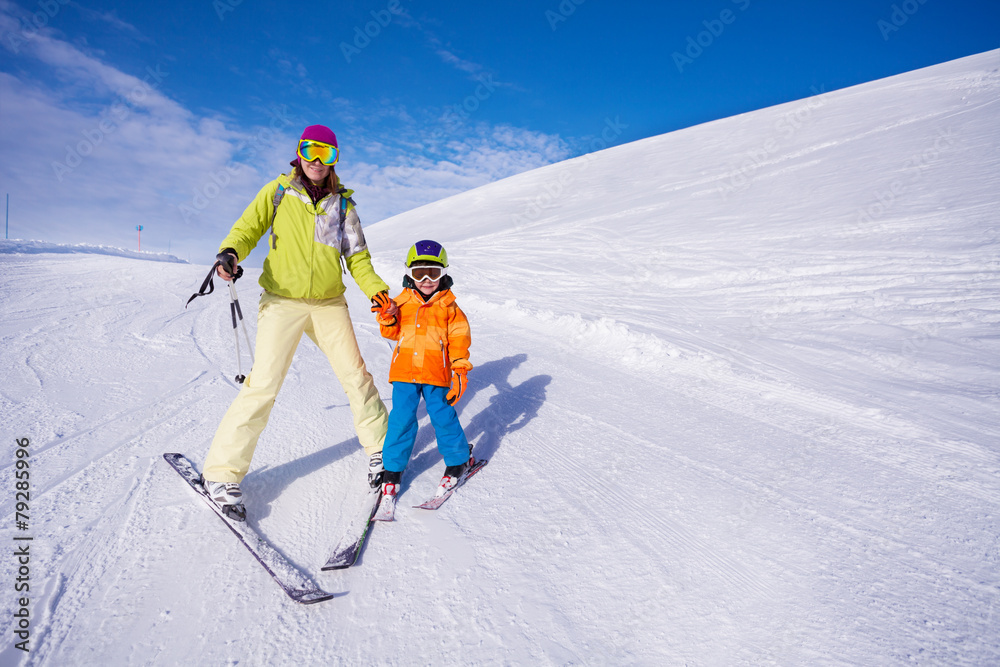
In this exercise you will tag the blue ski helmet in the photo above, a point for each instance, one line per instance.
(427, 251)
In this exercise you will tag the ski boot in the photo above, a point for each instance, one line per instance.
(390, 488)
(229, 498)
(452, 476)
(375, 470)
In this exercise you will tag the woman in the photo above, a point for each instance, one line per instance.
(314, 231)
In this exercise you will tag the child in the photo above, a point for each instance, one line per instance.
(430, 360)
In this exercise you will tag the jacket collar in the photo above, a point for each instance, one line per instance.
(445, 297)
(297, 185)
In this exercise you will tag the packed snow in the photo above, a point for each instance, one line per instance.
(738, 386)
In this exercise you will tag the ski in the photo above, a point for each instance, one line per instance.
(346, 553)
(437, 501)
(296, 585)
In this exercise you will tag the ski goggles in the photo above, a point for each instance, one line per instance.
(419, 274)
(316, 150)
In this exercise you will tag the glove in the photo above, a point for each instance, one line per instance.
(385, 309)
(229, 263)
(458, 381)
(383, 305)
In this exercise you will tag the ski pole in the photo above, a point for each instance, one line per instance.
(207, 287)
(237, 313)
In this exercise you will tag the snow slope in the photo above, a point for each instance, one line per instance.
(738, 386)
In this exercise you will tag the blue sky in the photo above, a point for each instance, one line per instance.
(173, 115)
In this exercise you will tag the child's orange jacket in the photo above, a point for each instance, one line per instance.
(432, 338)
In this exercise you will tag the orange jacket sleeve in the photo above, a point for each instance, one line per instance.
(459, 340)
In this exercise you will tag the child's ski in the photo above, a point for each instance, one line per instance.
(298, 587)
(386, 509)
(438, 500)
(346, 553)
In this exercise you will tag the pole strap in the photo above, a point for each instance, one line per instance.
(209, 285)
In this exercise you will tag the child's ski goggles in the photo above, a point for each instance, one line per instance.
(313, 150)
(421, 273)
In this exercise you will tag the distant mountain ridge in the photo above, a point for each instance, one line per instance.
(21, 247)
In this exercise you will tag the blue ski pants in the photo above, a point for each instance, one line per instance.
(402, 432)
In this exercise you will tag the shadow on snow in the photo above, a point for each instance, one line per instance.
(509, 410)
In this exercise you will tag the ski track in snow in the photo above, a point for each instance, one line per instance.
(737, 412)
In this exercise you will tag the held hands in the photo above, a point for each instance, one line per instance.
(385, 309)
(459, 381)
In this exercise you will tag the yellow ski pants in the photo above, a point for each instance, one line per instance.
(280, 325)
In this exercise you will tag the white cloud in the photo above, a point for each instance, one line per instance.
(111, 18)
(462, 65)
(481, 155)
